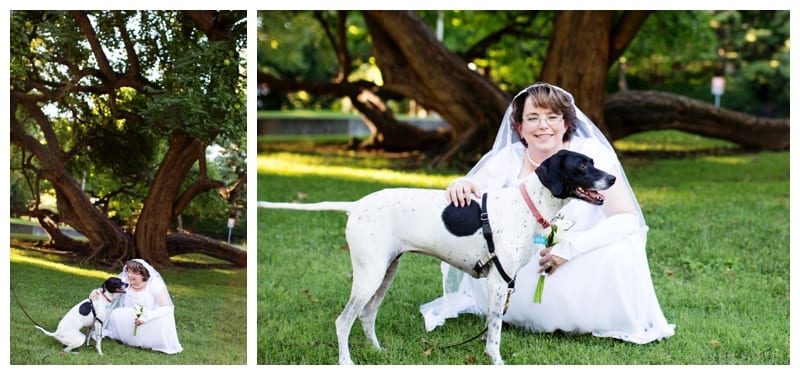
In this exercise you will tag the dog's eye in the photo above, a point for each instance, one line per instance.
(582, 166)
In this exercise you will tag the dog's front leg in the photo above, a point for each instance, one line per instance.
(89, 335)
(97, 334)
(498, 291)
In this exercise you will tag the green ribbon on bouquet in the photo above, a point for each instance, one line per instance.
(547, 242)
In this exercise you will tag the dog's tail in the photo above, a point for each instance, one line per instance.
(321, 206)
(46, 332)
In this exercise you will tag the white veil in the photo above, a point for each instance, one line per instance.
(155, 282)
(453, 300)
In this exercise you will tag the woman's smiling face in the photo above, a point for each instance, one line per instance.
(542, 128)
(136, 279)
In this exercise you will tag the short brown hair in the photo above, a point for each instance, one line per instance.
(545, 95)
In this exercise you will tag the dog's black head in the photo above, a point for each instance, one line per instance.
(569, 174)
(115, 285)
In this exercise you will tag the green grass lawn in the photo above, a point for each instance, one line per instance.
(210, 311)
(718, 251)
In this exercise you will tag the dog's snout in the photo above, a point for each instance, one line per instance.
(605, 181)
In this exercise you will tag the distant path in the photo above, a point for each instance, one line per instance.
(36, 230)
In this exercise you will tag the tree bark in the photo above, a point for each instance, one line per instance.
(183, 243)
(414, 64)
(158, 206)
(629, 112)
(573, 66)
(58, 239)
(387, 132)
(581, 70)
(390, 134)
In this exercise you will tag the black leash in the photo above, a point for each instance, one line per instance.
(465, 341)
(94, 313)
(487, 233)
(20, 306)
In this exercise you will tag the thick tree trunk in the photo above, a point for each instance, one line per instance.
(164, 202)
(578, 58)
(629, 112)
(108, 243)
(158, 207)
(414, 64)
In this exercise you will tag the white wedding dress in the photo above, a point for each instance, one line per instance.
(160, 333)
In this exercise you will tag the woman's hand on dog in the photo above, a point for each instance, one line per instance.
(460, 191)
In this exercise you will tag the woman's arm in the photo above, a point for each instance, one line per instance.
(606, 232)
(164, 308)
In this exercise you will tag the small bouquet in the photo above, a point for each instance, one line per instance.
(139, 309)
(559, 224)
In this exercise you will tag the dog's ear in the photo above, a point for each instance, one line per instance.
(551, 175)
(109, 284)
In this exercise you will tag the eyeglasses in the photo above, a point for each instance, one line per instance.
(549, 120)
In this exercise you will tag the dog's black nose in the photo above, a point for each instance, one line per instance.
(611, 179)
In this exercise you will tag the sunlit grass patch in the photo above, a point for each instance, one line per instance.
(287, 164)
(669, 140)
(18, 256)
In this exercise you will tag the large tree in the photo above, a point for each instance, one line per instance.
(581, 48)
(119, 89)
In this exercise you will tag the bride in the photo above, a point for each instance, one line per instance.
(144, 315)
(597, 277)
